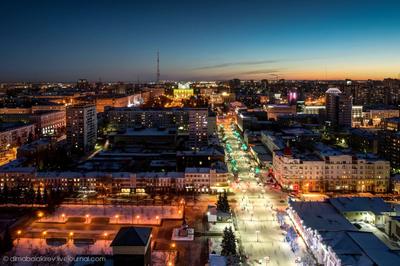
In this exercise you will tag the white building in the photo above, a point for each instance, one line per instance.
(298, 171)
(334, 241)
(205, 179)
(330, 170)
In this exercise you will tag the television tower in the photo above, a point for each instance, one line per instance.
(158, 66)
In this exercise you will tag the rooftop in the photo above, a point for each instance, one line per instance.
(132, 236)
(6, 126)
(321, 216)
(375, 249)
(346, 249)
(347, 204)
(333, 91)
(148, 132)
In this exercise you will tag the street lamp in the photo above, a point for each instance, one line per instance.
(63, 216)
(40, 215)
(44, 233)
(87, 218)
(117, 217)
(105, 234)
(173, 245)
(137, 218)
(257, 232)
(19, 232)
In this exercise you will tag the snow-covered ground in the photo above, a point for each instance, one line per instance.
(124, 214)
(25, 246)
(219, 226)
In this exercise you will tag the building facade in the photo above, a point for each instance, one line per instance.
(82, 127)
(196, 122)
(202, 180)
(15, 134)
(338, 108)
(329, 170)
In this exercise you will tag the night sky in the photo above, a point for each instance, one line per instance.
(118, 40)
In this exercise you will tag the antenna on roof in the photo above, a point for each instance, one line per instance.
(158, 66)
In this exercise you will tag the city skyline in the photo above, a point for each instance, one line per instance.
(68, 40)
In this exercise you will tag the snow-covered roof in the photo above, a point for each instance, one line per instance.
(160, 175)
(346, 249)
(375, 249)
(204, 170)
(351, 204)
(321, 216)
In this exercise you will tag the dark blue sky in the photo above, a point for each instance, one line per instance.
(118, 40)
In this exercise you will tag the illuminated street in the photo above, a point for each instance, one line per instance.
(255, 208)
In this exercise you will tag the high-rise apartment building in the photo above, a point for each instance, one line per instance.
(82, 127)
(338, 108)
(198, 127)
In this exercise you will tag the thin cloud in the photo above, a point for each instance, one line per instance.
(256, 62)
(243, 63)
(260, 71)
(225, 76)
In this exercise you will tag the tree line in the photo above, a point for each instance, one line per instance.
(22, 195)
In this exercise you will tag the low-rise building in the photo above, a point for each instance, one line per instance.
(15, 134)
(298, 171)
(46, 122)
(132, 246)
(328, 169)
(117, 100)
(204, 180)
(274, 111)
(334, 241)
(362, 209)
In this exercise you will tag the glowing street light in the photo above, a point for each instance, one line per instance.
(173, 245)
(105, 234)
(19, 232)
(40, 215)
